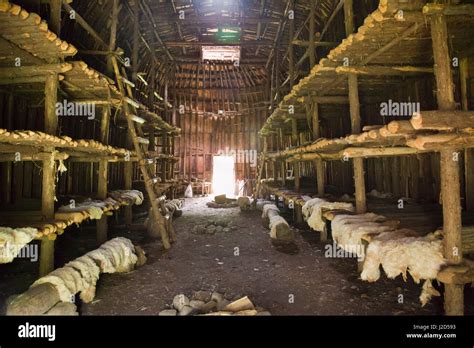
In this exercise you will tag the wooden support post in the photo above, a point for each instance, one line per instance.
(128, 184)
(102, 187)
(450, 192)
(469, 153)
(47, 210)
(7, 166)
(136, 38)
(296, 174)
(349, 17)
(359, 182)
(318, 163)
(164, 140)
(51, 97)
(104, 125)
(102, 194)
(113, 33)
(320, 176)
(46, 262)
(291, 54)
(312, 29)
(449, 168)
(354, 104)
(358, 163)
(55, 16)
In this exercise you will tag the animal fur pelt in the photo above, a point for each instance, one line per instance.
(400, 252)
(313, 210)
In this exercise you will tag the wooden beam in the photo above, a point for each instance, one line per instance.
(217, 43)
(383, 70)
(449, 167)
(34, 70)
(349, 16)
(312, 28)
(443, 120)
(354, 103)
(464, 10)
(51, 97)
(55, 16)
(316, 43)
(469, 153)
(113, 33)
(83, 23)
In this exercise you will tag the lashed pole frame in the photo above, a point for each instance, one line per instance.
(103, 170)
(142, 161)
(449, 166)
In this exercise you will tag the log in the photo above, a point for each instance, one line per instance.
(401, 127)
(241, 304)
(35, 301)
(220, 199)
(443, 120)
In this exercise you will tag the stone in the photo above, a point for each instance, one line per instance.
(202, 295)
(219, 229)
(215, 296)
(209, 307)
(187, 310)
(180, 301)
(211, 229)
(168, 313)
(222, 304)
(196, 304)
(199, 229)
(220, 199)
(226, 229)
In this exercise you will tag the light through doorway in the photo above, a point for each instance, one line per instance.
(223, 176)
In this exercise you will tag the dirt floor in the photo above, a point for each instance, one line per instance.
(290, 280)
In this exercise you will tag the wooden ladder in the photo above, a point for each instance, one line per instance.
(136, 135)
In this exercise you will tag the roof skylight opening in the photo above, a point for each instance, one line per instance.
(221, 53)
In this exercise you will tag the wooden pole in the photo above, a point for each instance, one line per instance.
(104, 125)
(164, 140)
(102, 225)
(349, 17)
(46, 264)
(55, 16)
(113, 33)
(51, 97)
(102, 194)
(312, 29)
(354, 104)
(469, 153)
(358, 163)
(291, 55)
(318, 163)
(47, 210)
(136, 34)
(449, 167)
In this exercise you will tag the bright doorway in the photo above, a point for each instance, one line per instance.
(223, 176)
